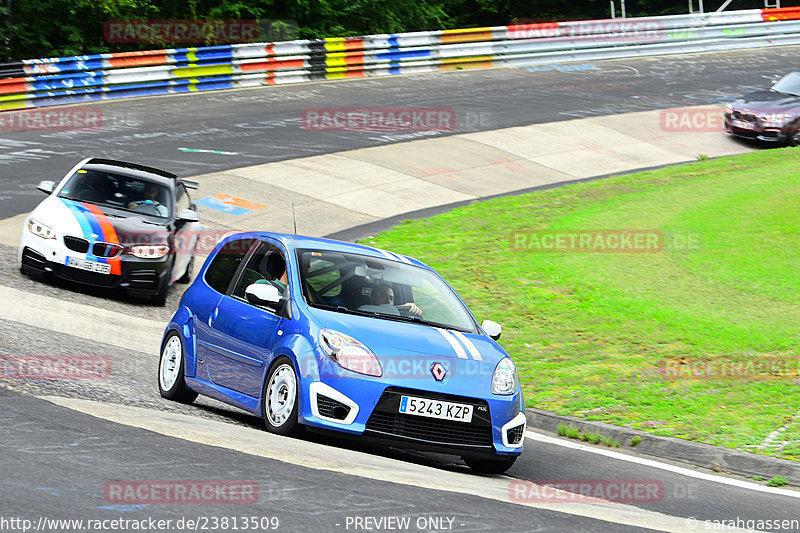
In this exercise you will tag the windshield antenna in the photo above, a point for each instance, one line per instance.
(294, 220)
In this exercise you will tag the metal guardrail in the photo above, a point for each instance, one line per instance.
(61, 80)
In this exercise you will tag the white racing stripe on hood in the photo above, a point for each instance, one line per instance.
(388, 255)
(453, 342)
(394, 257)
(473, 351)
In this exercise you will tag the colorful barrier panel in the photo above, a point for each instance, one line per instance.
(61, 80)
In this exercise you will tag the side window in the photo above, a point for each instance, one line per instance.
(226, 262)
(321, 279)
(182, 200)
(321, 274)
(267, 265)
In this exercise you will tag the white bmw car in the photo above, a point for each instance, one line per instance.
(113, 224)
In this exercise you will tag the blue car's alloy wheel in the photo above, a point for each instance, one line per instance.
(171, 382)
(280, 398)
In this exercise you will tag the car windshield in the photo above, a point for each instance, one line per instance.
(118, 191)
(357, 284)
(789, 84)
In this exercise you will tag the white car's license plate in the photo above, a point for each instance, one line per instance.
(91, 266)
(741, 124)
(458, 412)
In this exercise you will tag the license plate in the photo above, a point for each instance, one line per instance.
(741, 124)
(91, 266)
(457, 412)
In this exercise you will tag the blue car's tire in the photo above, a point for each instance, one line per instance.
(490, 466)
(281, 398)
(171, 382)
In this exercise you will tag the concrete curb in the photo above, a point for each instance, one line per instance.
(378, 226)
(694, 453)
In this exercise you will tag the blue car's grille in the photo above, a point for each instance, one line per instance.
(387, 421)
(430, 429)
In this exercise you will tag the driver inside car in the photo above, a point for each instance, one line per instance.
(149, 203)
(383, 302)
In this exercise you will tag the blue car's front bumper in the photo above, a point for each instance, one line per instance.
(341, 400)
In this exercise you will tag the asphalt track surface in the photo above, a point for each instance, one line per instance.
(254, 126)
(56, 461)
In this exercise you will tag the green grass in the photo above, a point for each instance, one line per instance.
(777, 481)
(588, 330)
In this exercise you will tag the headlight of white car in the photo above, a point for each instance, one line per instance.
(41, 230)
(149, 252)
(504, 380)
(349, 353)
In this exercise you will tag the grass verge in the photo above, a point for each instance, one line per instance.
(698, 339)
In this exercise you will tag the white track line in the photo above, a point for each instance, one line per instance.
(661, 466)
(82, 320)
(317, 456)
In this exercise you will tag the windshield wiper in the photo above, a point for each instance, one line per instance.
(419, 320)
(399, 318)
(65, 197)
(343, 309)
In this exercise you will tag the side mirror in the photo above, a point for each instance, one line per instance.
(263, 294)
(493, 329)
(187, 215)
(46, 187)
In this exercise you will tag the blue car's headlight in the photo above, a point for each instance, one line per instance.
(349, 353)
(504, 380)
(41, 230)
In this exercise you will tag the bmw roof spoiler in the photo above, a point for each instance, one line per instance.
(190, 184)
(133, 166)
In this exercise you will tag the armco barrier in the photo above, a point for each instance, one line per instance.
(61, 80)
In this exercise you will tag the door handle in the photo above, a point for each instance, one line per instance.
(213, 316)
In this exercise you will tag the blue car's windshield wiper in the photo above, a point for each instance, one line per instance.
(420, 320)
(398, 318)
(343, 309)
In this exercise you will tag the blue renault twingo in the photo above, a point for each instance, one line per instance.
(321, 334)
